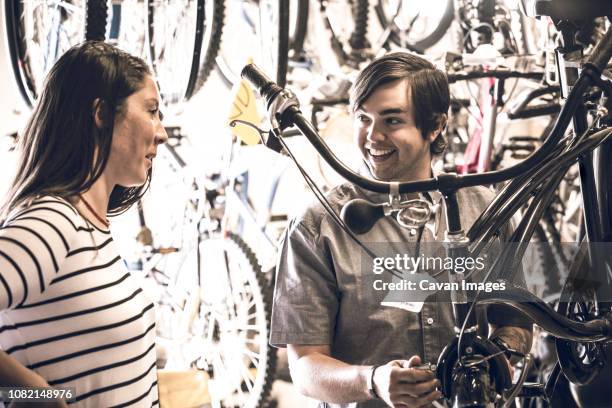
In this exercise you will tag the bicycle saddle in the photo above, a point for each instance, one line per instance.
(568, 9)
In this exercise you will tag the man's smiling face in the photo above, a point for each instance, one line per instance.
(386, 134)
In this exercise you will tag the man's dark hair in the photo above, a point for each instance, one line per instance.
(59, 144)
(428, 86)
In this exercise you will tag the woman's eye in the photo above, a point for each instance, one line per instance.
(363, 118)
(157, 112)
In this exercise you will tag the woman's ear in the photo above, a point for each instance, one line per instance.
(100, 115)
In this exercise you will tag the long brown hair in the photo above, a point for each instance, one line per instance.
(62, 150)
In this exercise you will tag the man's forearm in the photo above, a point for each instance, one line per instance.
(327, 379)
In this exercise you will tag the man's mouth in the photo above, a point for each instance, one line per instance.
(379, 155)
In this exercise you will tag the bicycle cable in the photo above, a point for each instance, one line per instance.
(328, 208)
(589, 142)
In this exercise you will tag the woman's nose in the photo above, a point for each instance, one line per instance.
(161, 136)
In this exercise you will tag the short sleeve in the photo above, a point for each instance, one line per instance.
(33, 244)
(306, 296)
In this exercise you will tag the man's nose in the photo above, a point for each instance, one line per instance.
(375, 133)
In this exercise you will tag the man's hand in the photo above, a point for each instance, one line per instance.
(399, 385)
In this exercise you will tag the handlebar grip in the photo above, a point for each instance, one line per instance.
(603, 51)
(265, 86)
(361, 215)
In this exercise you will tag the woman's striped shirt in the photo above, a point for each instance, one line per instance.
(71, 311)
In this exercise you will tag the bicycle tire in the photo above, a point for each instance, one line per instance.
(211, 41)
(580, 365)
(300, 26)
(283, 44)
(229, 63)
(349, 44)
(425, 42)
(96, 18)
(128, 27)
(175, 87)
(358, 39)
(30, 69)
(262, 304)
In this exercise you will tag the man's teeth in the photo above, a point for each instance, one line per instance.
(377, 152)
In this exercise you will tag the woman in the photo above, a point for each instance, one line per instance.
(71, 315)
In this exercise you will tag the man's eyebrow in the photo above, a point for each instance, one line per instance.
(392, 111)
(154, 100)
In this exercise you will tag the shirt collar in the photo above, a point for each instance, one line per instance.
(436, 170)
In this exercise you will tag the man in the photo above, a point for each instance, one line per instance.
(344, 348)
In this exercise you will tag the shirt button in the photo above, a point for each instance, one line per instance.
(412, 232)
(429, 320)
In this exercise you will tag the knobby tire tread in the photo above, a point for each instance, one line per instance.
(214, 44)
(96, 19)
(428, 41)
(358, 40)
(266, 292)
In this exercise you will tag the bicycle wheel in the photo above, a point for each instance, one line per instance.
(39, 32)
(183, 39)
(128, 26)
(259, 32)
(348, 36)
(219, 322)
(215, 10)
(418, 25)
(581, 299)
(239, 304)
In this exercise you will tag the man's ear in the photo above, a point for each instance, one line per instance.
(440, 126)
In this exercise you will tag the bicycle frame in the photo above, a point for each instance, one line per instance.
(491, 93)
(237, 204)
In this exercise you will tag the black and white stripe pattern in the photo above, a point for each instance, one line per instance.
(71, 311)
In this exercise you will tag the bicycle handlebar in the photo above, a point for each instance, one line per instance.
(600, 56)
(267, 88)
(445, 182)
(494, 73)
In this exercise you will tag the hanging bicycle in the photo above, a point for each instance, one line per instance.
(38, 32)
(471, 368)
(214, 301)
(259, 31)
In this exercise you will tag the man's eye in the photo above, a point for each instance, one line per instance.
(393, 121)
(363, 118)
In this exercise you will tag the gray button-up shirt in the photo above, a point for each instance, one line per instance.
(324, 295)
